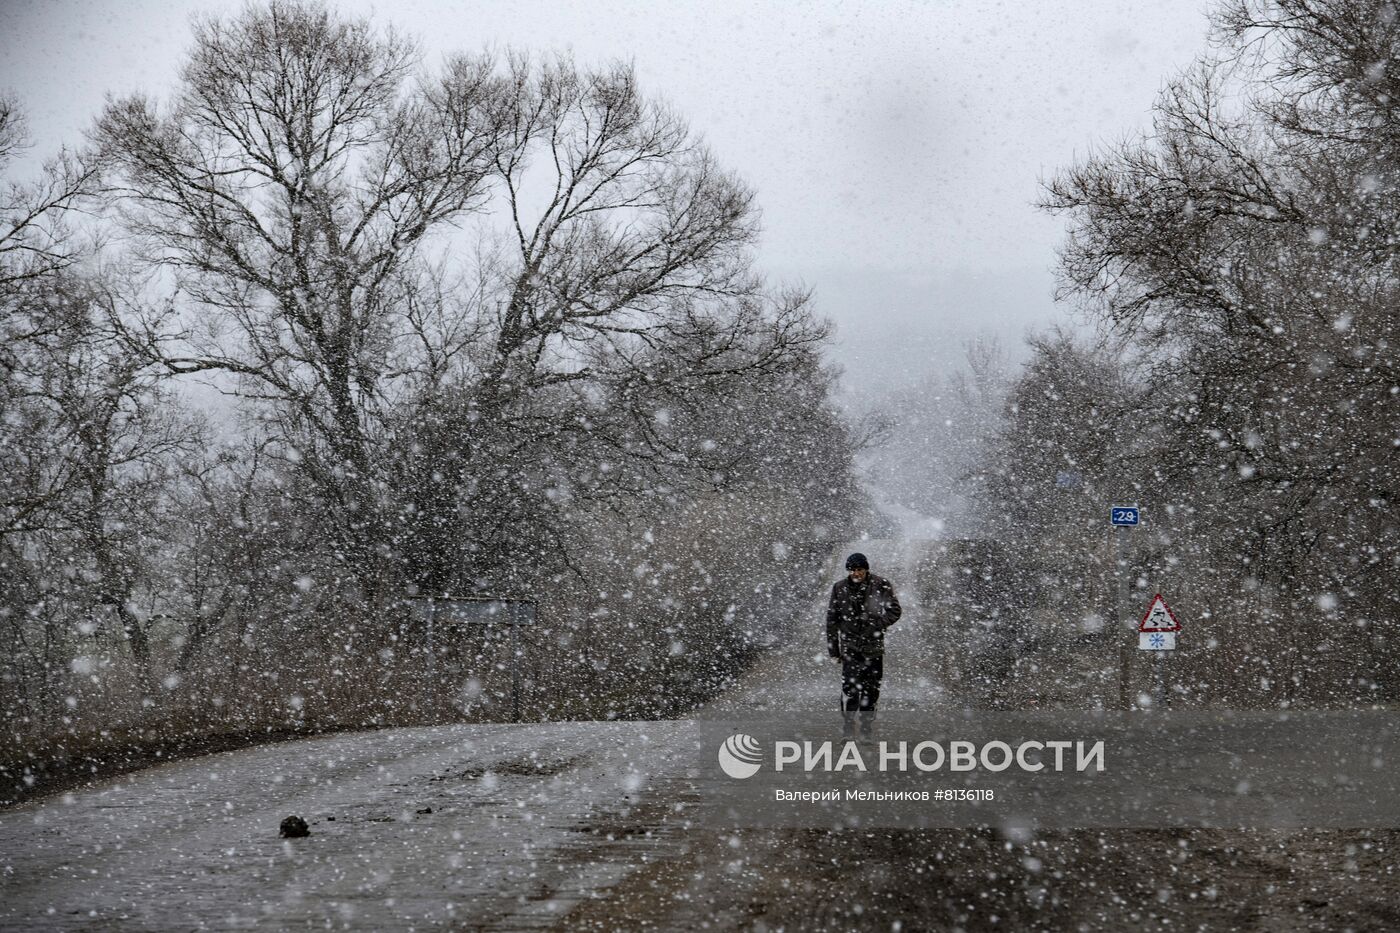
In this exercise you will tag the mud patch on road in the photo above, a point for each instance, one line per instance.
(662, 813)
(949, 879)
(531, 765)
(600, 851)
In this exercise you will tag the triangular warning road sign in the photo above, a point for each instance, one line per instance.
(1159, 617)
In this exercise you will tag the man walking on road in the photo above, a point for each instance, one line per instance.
(862, 606)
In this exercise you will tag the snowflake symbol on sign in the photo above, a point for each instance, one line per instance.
(1157, 641)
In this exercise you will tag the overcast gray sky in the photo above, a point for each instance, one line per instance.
(896, 147)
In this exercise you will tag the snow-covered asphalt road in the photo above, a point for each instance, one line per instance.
(470, 826)
(194, 844)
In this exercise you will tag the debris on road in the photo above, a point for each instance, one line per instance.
(294, 827)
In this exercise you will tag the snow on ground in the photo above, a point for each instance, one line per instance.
(527, 821)
(194, 843)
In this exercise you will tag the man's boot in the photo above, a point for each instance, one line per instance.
(867, 723)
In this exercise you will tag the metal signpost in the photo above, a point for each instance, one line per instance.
(478, 610)
(1123, 518)
(1157, 633)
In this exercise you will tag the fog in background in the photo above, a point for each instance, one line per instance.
(896, 148)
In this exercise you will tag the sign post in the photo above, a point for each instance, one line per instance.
(450, 611)
(1157, 633)
(1122, 518)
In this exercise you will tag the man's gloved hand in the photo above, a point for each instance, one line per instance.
(834, 651)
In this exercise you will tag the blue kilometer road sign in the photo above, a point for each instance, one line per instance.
(1123, 515)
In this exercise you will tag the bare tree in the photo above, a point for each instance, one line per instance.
(286, 187)
(295, 187)
(35, 240)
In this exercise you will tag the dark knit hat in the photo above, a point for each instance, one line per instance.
(857, 561)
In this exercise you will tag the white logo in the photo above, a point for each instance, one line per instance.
(739, 756)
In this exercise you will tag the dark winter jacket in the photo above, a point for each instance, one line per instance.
(858, 614)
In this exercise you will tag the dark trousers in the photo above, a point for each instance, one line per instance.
(860, 681)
